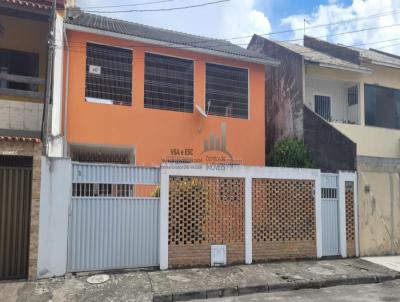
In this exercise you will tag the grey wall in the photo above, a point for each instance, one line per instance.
(55, 195)
(330, 149)
(337, 51)
(284, 92)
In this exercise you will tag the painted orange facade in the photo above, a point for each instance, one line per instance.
(154, 133)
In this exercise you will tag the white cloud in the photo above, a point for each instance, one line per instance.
(335, 12)
(236, 18)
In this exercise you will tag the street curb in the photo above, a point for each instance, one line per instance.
(247, 289)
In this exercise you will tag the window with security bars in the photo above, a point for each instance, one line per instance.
(168, 83)
(352, 95)
(322, 106)
(227, 91)
(108, 74)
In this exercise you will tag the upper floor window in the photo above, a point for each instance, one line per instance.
(168, 83)
(18, 63)
(108, 74)
(382, 106)
(227, 91)
(322, 106)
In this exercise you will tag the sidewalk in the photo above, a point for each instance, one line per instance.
(187, 284)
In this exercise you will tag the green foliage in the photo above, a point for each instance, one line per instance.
(290, 152)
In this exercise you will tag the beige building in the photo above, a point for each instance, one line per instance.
(357, 92)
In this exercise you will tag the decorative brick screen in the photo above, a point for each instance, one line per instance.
(350, 233)
(283, 219)
(205, 211)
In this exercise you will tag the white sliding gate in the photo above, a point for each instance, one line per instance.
(110, 227)
(330, 214)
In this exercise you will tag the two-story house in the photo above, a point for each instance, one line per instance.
(136, 94)
(344, 103)
(25, 28)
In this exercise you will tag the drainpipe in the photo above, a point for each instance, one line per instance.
(65, 147)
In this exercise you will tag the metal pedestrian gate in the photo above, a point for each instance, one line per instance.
(330, 214)
(110, 225)
(15, 207)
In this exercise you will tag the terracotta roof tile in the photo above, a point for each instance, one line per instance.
(34, 4)
(20, 139)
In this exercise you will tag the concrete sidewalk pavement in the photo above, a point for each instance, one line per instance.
(391, 262)
(202, 283)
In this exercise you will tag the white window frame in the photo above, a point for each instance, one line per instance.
(248, 88)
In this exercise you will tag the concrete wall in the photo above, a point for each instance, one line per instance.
(379, 206)
(284, 93)
(373, 141)
(53, 229)
(17, 115)
(330, 150)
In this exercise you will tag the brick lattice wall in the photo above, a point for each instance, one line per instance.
(350, 231)
(283, 219)
(205, 211)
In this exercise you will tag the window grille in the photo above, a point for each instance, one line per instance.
(352, 95)
(322, 106)
(102, 190)
(227, 91)
(109, 74)
(168, 83)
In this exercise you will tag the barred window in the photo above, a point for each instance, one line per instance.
(108, 74)
(168, 83)
(227, 91)
(322, 106)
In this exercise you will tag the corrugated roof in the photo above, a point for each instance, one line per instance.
(174, 38)
(320, 57)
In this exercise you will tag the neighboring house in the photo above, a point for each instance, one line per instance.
(141, 95)
(24, 35)
(331, 96)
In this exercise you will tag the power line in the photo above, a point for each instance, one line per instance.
(393, 12)
(159, 9)
(301, 29)
(227, 43)
(81, 48)
(125, 5)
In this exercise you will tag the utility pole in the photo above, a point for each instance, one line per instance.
(305, 22)
(49, 79)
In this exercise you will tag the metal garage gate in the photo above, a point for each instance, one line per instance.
(15, 206)
(110, 225)
(330, 214)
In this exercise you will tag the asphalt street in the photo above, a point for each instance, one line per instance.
(380, 292)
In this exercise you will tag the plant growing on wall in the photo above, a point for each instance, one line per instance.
(290, 152)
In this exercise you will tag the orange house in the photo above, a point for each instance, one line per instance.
(142, 95)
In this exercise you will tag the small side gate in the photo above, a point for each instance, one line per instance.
(110, 225)
(330, 214)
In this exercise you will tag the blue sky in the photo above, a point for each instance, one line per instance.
(240, 18)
